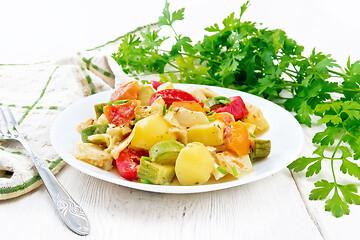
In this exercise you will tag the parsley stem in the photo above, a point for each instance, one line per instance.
(335, 150)
(332, 158)
(194, 56)
(338, 73)
(176, 35)
(173, 65)
(202, 58)
(341, 90)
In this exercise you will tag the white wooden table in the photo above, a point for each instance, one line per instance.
(276, 207)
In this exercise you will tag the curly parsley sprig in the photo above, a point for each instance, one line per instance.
(242, 55)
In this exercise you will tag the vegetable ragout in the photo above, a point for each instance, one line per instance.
(157, 133)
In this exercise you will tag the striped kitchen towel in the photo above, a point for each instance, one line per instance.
(36, 94)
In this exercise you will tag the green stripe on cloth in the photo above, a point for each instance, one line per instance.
(41, 95)
(29, 107)
(90, 65)
(89, 81)
(32, 180)
(16, 153)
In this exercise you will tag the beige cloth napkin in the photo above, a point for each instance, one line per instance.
(36, 94)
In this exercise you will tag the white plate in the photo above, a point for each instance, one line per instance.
(285, 133)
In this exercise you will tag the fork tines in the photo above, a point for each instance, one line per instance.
(8, 129)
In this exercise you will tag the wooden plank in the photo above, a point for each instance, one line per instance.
(268, 209)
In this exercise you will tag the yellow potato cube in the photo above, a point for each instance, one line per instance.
(211, 134)
(194, 164)
(151, 130)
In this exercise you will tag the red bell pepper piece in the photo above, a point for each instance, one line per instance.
(127, 163)
(236, 107)
(173, 95)
(155, 84)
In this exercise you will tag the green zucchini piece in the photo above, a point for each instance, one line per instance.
(155, 173)
(94, 129)
(99, 109)
(215, 102)
(260, 148)
(165, 152)
(145, 93)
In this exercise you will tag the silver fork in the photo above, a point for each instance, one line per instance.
(70, 212)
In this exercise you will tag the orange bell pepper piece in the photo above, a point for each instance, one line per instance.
(237, 138)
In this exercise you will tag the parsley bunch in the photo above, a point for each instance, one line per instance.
(243, 56)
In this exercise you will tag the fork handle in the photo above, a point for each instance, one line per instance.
(70, 212)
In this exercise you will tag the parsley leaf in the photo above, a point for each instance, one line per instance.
(322, 190)
(167, 18)
(349, 192)
(337, 206)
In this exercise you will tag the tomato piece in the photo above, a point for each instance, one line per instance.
(226, 118)
(121, 114)
(173, 95)
(127, 163)
(236, 107)
(128, 91)
(192, 106)
(155, 84)
(237, 138)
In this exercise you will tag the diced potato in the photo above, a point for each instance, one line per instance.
(210, 134)
(256, 117)
(93, 154)
(151, 130)
(189, 118)
(194, 164)
(235, 165)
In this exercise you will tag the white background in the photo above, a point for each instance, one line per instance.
(37, 30)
